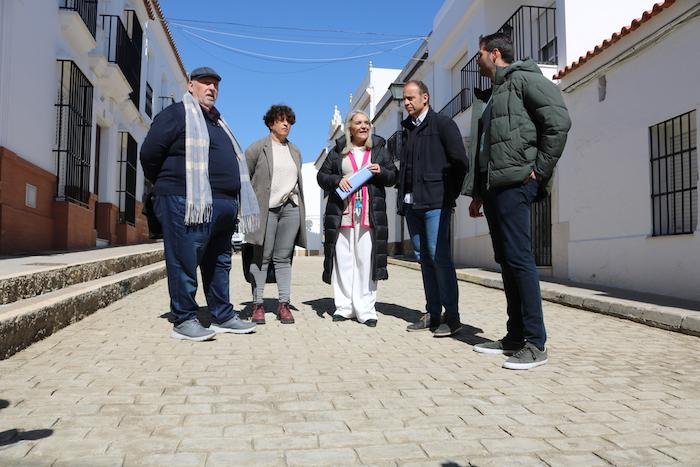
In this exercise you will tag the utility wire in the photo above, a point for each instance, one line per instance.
(296, 59)
(290, 41)
(290, 28)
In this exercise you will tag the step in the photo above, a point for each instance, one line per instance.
(37, 275)
(27, 321)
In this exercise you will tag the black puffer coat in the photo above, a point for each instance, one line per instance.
(328, 178)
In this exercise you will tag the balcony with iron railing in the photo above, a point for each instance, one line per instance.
(78, 19)
(86, 9)
(534, 35)
(124, 50)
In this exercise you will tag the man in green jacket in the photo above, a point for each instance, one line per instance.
(522, 133)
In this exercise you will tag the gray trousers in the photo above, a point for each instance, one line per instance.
(280, 234)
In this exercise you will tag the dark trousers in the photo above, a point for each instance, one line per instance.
(507, 211)
(207, 246)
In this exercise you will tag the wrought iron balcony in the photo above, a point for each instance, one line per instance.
(533, 30)
(534, 33)
(125, 50)
(457, 104)
(87, 9)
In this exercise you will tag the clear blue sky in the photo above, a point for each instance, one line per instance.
(251, 84)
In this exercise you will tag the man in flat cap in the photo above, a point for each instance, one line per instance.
(192, 158)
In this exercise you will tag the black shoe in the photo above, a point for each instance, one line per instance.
(371, 323)
(339, 318)
(446, 330)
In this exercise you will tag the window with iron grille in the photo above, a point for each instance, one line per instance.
(73, 133)
(127, 179)
(674, 175)
(541, 231)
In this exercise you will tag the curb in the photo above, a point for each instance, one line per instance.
(665, 317)
(38, 321)
(37, 283)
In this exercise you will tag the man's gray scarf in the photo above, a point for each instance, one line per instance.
(198, 208)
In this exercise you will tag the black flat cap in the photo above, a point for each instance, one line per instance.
(204, 72)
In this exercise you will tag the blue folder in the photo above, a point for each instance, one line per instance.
(356, 180)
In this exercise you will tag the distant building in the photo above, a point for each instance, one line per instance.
(80, 81)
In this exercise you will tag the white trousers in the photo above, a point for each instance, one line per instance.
(353, 288)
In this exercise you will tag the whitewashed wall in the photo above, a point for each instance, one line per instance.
(604, 175)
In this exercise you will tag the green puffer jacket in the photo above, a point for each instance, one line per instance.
(529, 125)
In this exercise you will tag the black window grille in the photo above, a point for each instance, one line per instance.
(148, 105)
(471, 79)
(674, 175)
(87, 9)
(127, 179)
(534, 33)
(125, 49)
(541, 231)
(73, 133)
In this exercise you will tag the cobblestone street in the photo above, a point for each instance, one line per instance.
(115, 389)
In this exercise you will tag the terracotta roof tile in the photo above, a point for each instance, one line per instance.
(634, 25)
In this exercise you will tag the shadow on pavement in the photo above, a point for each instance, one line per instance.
(322, 306)
(15, 435)
(407, 314)
(468, 335)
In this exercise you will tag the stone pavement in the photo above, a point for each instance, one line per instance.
(115, 389)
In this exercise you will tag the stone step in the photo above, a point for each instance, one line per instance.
(31, 319)
(39, 275)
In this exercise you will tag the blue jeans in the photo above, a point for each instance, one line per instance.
(430, 236)
(207, 246)
(507, 211)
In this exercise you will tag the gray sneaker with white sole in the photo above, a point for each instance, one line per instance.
(234, 325)
(192, 330)
(527, 357)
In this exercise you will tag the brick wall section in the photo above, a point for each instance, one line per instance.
(74, 225)
(25, 229)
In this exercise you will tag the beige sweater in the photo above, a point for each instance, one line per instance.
(284, 176)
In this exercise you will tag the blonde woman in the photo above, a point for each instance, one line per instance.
(355, 240)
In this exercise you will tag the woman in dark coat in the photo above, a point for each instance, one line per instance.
(355, 229)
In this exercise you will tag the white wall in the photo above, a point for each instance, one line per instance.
(28, 83)
(588, 23)
(604, 174)
(313, 200)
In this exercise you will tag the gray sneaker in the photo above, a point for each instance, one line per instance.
(423, 324)
(497, 348)
(446, 330)
(192, 330)
(527, 357)
(234, 325)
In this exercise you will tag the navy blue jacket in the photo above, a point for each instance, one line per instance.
(163, 155)
(438, 162)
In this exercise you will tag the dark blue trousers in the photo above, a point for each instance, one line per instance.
(507, 211)
(207, 246)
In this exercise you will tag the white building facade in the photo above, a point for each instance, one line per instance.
(77, 97)
(596, 227)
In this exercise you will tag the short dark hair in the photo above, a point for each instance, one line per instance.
(500, 41)
(279, 112)
(421, 85)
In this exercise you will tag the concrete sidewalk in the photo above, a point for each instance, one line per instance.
(652, 310)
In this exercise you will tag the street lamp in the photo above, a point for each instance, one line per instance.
(396, 90)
